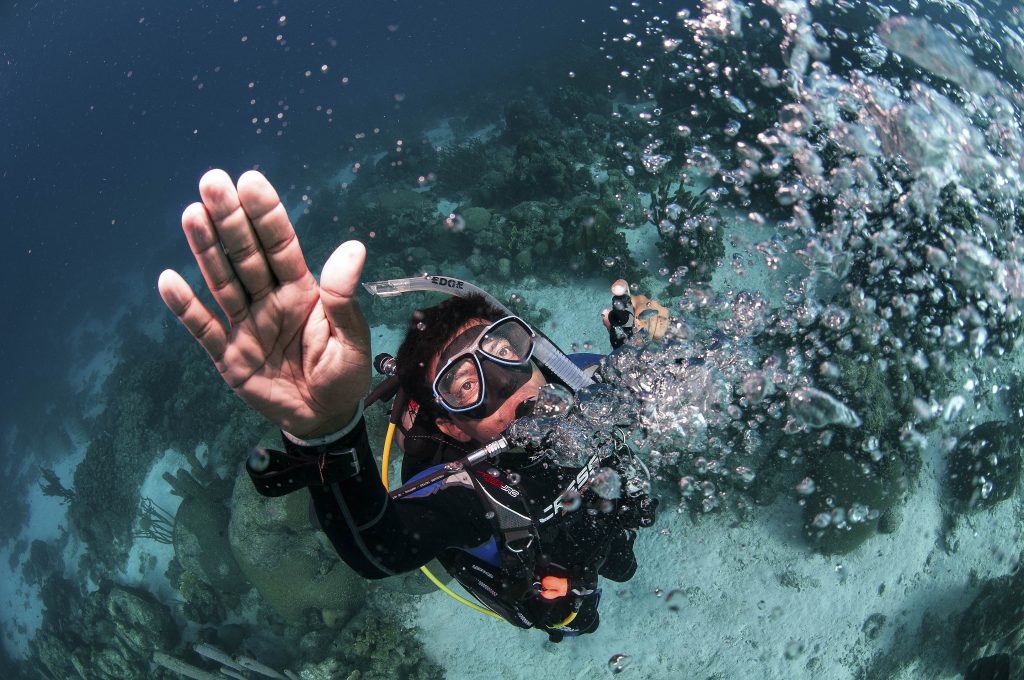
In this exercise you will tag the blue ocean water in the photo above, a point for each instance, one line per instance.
(823, 194)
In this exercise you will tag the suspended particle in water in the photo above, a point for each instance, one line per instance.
(571, 501)
(769, 77)
(607, 484)
(952, 336)
(936, 257)
(745, 474)
(806, 487)
(955, 404)
(737, 105)
(687, 486)
(978, 339)
(858, 513)
(924, 409)
(653, 163)
(795, 119)
(829, 370)
(756, 386)
(618, 663)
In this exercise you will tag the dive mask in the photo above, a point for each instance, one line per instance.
(484, 366)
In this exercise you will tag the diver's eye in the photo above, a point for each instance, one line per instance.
(500, 348)
(467, 392)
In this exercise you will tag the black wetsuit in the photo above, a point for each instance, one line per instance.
(380, 534)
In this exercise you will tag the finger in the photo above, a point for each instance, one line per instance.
(604, 318)
(235, 232)
(204, 326)
(338, 284)
(273, 228)
(213, 263)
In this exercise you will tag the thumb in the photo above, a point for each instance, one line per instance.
(338, 283)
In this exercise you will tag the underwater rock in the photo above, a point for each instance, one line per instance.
(994, 623)
(140, 622)
(277, 548)
(201, 544)
(853, 492)
(985, 466)
(53, 654)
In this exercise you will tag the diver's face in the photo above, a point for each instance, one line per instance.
(489, 428)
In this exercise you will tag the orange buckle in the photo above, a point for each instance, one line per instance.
(553, 587)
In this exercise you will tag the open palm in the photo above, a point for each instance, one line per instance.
(296, 351)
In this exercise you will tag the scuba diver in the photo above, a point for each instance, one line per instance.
(528, 538)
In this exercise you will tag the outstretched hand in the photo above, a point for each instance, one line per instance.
(296, 351)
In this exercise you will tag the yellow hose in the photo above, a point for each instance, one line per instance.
(388, 439)
(387, 456)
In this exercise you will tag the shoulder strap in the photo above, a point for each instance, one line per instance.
(515, 528)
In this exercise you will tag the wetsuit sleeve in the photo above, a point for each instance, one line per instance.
(379, 536)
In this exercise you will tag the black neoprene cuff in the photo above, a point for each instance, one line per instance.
(298, 467)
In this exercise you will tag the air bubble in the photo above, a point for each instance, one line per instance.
(618, 663)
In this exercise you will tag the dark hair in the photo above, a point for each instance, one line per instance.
(429, 332)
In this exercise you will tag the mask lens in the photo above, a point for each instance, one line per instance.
(508, 342)
(459, 385)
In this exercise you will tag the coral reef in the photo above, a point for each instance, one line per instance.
(854, 489)
(155, 523)
(984, 468)
(993, 625)
(475, 169)
(109, 633)
(148, 395)
(51, 485)
(373, 646)
(691, 237)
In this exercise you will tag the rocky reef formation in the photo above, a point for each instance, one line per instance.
(295, 570)
(991, 631)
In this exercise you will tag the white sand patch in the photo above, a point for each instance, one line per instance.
(441, 134)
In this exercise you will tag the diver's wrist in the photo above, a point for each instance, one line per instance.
(313, 440)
